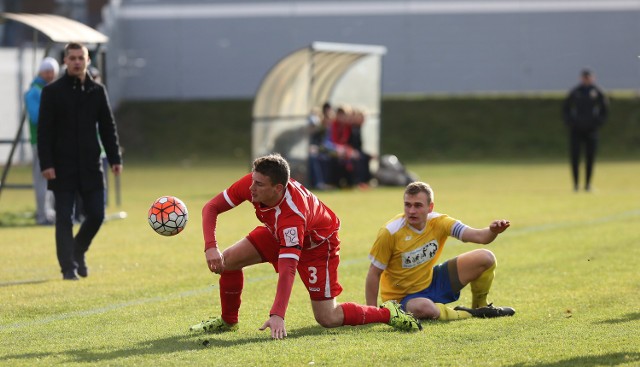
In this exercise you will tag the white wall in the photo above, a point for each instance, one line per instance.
(17, 70)
(216, 49)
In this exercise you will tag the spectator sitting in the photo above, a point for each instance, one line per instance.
(361, 172)
(318, 151)
(342, 164)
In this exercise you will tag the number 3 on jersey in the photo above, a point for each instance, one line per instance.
(313, 278)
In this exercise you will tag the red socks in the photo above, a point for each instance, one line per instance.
(355, 314)
(231, 284)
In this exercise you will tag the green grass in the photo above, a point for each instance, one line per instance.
(568, 265)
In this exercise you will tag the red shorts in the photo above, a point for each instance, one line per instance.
(318, 267)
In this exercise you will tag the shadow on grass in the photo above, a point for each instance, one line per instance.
(142, 348)
(173, 344)
(23, 282)
(611, 359)
(626, 318)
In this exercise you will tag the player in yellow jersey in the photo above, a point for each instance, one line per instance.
(404, 262)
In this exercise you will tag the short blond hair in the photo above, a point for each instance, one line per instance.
(417, 187)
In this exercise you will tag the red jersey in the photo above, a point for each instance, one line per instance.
(299, 221)
(340, 132)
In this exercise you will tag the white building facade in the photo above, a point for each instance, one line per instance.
(191, 49)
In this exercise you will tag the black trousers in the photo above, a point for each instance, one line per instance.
(580, 140)
(68, 247)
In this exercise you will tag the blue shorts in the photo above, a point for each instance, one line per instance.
(439, 291)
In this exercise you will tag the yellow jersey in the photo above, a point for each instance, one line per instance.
(407, 256)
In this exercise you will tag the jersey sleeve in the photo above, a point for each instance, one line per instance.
(455, 228)
(286, 277)
(239, 191)
(291, 235)
(228, 199)
(381, 250)
(46, 128)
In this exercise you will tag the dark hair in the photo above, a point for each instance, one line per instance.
(417, 187)
(273, 166)
(74, 46)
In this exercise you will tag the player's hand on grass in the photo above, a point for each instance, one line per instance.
(276, 324)
(215, 261)
(499, 226)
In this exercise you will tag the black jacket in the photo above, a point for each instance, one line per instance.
(71, 116)
(586, 108)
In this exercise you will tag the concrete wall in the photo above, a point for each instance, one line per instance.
(213, 49)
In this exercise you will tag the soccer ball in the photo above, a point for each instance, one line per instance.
(168, 215)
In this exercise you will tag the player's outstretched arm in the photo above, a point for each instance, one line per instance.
(210, 212)
(286, 276)
(485, 235)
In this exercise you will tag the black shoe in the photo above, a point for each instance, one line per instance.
(488, 311)
(70, 275)
(82, 269)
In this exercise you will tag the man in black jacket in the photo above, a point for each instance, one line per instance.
(585, 110)
(74, 115)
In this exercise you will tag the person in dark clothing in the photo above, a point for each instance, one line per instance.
(362, 173)
(73, 110)
(319, 159)
(585, 110)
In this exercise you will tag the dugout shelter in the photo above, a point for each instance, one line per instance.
(57, 31)
(337, 73)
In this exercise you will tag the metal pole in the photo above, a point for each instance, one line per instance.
(7, 166)
(117, 187)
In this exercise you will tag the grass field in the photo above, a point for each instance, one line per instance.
(568, 265)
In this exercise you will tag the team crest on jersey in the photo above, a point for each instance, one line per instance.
(420, 255)
(291, 237)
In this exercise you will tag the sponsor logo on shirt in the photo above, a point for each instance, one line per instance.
(314, 289)
(291, 237)
(420, 255)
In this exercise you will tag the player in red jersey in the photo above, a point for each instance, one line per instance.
(299, 233)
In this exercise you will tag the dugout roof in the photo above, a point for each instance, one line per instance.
(338, 73)
(60, 30)
(56, 28)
